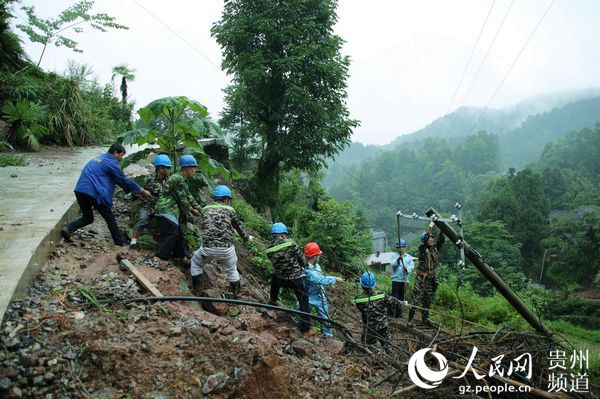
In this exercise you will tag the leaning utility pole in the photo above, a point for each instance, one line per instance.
(490, 274)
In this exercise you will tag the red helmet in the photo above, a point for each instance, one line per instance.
(312, 249)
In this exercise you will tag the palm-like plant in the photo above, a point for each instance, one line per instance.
(176, 124)
(27, 123)
(127, 74)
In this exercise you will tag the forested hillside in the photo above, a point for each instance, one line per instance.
(532, 124)
(564, 179)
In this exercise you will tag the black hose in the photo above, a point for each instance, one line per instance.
(233, 302)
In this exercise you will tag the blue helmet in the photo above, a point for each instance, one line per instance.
(162, 160)
(368, 280)
(279, 228)
(187, 160)
(425, 236)
(401, 244)
(222, 191)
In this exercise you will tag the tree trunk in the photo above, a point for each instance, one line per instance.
(42, 55)
(267, 177)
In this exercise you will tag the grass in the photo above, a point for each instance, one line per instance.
(12, 160)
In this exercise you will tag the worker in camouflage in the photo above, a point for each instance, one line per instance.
(289, 263)
(425, 282)
(218, 221)
(373, 306)
(155, 182)
(175, 201)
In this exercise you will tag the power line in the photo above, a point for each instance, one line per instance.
(512, 66)
(467, 65)
(480, 67)
(173, 31)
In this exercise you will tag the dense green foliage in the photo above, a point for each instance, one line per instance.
(545, 213)
(413, 180)
(289, 85)
(519, 201)
(175, 124)
(338, 227)
(71, 108)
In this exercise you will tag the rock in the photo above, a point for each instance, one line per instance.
(238, 373)
(214, 382)
(9, 372)
(175, 331)
(220, 309)
(227, 330)
(331, 346)
(52, 362)
(13, 175)
(29, 360)
(302, 347)
(270, 342)
(15, 393)
(39, 380)
(5, 384)
(210, 276)
(82, 265)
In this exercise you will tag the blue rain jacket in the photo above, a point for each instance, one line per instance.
(397, 271)
(99, 178)
(315, 282)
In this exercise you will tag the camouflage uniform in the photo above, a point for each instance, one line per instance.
(425, 283)
(373, 307)
(289, 263)
(218, 222)
(174, 203)
(175, 199)
(155, 185)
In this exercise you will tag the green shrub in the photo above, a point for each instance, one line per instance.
(12, 160)
(251, 218)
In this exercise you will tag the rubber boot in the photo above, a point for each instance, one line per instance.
(425, 318)
(411, 315)
(235, 288)
(197, 283)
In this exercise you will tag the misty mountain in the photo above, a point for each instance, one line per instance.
(523, 128)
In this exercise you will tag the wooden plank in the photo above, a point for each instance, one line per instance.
(127, 265)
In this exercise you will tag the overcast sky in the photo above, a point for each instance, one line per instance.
(407, 56)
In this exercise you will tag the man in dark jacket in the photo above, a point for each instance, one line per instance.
(289, 263)
(425, 283)
(374, 308)
(95, 189)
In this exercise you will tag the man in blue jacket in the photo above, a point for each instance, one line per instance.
(95, 189)
(402, 265)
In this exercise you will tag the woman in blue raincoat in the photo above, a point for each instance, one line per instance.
(316, 281)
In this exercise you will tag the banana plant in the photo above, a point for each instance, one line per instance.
(175, 124)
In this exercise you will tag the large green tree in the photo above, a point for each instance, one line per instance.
(519, 201)
(289, 84)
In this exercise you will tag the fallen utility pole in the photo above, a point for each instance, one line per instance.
(490, 274)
